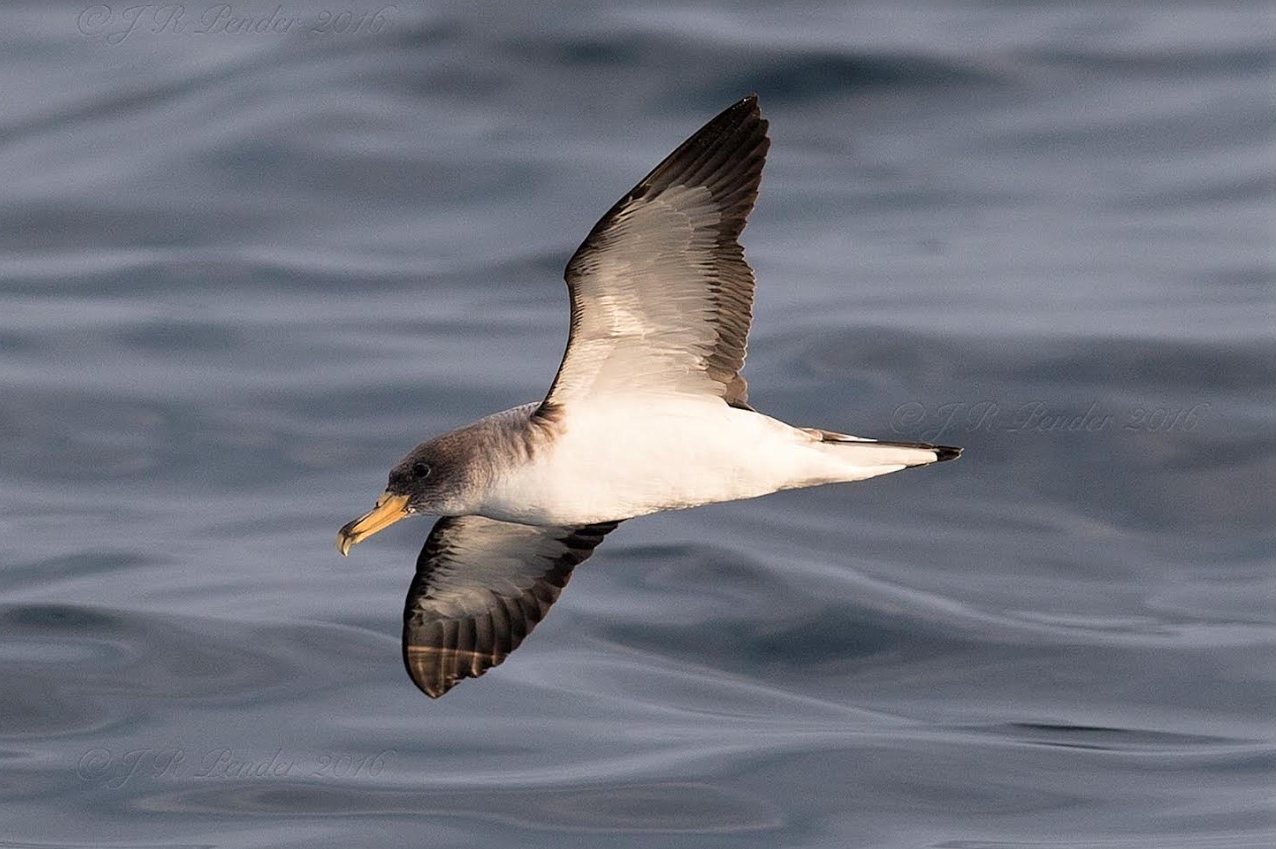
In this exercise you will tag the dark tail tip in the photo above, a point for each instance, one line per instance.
(946, 452)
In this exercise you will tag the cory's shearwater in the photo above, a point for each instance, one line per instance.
(648, 412)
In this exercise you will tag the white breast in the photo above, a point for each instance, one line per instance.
(617, 459)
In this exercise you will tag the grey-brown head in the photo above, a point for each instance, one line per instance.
(435, 478)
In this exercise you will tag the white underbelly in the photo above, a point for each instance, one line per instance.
(618, 462)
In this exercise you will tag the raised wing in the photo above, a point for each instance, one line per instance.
(481, 586)
(661, 295)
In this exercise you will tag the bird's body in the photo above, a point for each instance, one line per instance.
(623, 459)
(648, 412)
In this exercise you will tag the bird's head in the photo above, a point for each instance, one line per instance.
(427, 480)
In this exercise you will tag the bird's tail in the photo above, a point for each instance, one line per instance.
(865, 458)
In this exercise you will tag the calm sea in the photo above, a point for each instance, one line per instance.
(252, 253)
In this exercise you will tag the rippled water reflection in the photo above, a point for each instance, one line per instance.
(241, 275)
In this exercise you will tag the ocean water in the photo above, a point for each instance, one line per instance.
(251, 254)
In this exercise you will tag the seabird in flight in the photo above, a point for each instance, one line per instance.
(648, 412)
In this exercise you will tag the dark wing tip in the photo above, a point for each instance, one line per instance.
(946, 452)
(744, 106)
(725, 155)
(430, 678)
(733, 141)
(435, 670)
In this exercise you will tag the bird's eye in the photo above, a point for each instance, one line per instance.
(420, 471)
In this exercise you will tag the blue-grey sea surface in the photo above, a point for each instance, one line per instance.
(253, 253)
